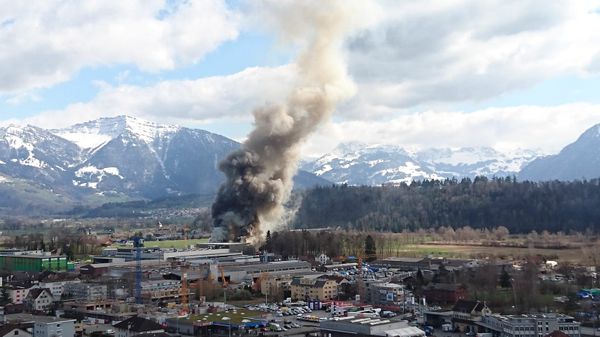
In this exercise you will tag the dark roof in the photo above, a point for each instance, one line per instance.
(319, 283)
(4, 330)
(138, 324)
(557, 333)
(467, 306)
(36, 292)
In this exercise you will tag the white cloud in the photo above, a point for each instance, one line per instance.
(431, 52)
(188, 101)
(532, 127)
(425, 55)
(43, 43)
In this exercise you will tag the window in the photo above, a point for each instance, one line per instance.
(16, 332)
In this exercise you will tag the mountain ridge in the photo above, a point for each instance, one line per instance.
(576, 161)
(380, 164)
(119, 156)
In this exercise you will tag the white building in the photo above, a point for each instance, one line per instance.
(39, 299)
(46, 326)
(17, 294)
(57, 288)
(536, 325)
(13, 331)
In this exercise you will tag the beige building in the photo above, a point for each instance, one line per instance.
(307, 288)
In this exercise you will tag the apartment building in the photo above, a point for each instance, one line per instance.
(309, 288)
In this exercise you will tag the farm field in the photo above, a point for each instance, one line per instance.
(473, 251)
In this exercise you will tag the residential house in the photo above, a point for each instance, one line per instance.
(17, 293)
(56, 282)
(39, 299)
(13, 331)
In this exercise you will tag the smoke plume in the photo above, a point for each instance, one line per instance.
(259, 175)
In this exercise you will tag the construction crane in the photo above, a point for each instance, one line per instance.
(224, 284)
(360, 283)
(184, 292)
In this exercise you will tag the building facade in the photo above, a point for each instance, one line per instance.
(39, 299)
(86, 291)
(305, 288)
(34, 262)
(46, 326)
(384, 293)
(156, 290)
(537, 325)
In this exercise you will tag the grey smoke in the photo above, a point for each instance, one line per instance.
(259, 175)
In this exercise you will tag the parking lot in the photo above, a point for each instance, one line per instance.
(291, 318)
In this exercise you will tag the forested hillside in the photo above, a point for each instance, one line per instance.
(480, 203)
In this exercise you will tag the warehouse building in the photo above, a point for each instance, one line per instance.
(27, 261)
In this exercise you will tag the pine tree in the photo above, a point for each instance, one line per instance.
(370, 249)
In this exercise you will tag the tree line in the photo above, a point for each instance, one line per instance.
(520, 207)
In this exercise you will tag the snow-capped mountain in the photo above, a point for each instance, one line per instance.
(123, 156)
(370, 165)
(33, 153)
(578, 160)
(358, 164)
(135, 156)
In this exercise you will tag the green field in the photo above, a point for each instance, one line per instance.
(179, 244)
(236, 316)
(474, 251)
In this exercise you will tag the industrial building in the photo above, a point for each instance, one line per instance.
(535, 325)
(352, 326)
(239, 272)
(34, 262)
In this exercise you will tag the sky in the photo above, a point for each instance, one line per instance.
(507, 74)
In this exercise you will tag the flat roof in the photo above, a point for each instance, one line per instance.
(50, 319)
(33, 256)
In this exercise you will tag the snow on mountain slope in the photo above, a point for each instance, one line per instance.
(92, 134)
(36, 148)
(360, 164)
(370, 165)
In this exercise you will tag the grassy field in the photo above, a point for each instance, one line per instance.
(179, 244)
(468, 251)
